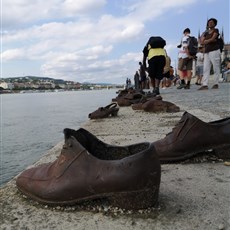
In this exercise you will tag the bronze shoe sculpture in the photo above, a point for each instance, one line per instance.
(155, 106)
(130, 179)
(139, 106)
(192, 136)
(129, 99)
(104, 112)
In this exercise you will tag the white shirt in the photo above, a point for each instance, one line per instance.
(184, 44)
(200, 59)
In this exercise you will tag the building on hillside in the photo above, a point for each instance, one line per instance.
(7, 85)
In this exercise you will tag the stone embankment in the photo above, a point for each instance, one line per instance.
(193, 195)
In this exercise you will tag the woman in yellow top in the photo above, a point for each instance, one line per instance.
(155, 53)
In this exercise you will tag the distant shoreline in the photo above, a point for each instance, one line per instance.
(51, 90)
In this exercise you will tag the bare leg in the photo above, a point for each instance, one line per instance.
(152, 82)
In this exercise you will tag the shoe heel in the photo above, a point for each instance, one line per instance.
(136, 200)
(114, 113)
(222, 152)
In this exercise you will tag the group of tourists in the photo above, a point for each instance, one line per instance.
(160, 74)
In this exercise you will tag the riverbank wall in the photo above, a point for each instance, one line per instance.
(193, 195)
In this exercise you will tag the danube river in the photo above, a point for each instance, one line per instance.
(32, 123)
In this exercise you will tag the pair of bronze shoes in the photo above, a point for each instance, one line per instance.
(155, 105)
(129, 99)
(87, 168)
(128, 176)
(132, 97)
(104, 112)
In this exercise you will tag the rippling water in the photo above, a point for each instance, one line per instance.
(33, 123)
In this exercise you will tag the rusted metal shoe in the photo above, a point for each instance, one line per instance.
(129, 99)
(104, 112)
(192, 136)
(87, 169)
(155, 106)
(139, 105)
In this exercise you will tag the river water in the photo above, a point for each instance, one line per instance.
(32, 123)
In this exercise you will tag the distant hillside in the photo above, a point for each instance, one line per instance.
(57, 81)
(33, 78)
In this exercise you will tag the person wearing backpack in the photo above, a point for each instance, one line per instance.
(209, 39)
(185, 61)
(155, 53)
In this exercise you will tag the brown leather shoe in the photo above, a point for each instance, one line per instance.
(215, 86)
(130, 179)
(139, 106)
(203, 87)
(129, 99)
(104, 112)
(192, 136)
(159, 106)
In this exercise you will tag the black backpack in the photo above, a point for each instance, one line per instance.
(220, 43)
(192, 45)
(156, 42)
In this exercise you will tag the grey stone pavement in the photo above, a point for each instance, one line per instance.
(212, 101)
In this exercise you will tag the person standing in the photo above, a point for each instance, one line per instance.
(142, 76)
(209, 39)
(155, 53)
(199, 65)
(136, 80)
(127, 83)
(185, 62)
(226, 71)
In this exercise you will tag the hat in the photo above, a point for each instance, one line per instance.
(212, 19)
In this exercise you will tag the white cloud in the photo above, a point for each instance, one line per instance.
(13, 54)
(73, 7)
(79, 39)
(16, 13)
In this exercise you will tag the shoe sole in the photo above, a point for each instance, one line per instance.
(203, 89)
(221, 151)
(140, 199)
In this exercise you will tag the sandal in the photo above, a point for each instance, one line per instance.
(104, 112)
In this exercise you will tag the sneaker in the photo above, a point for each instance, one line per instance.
(187, 87)
(203, 87)
(181, 86)
(215, 86)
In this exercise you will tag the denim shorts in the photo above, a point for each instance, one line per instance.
(199, 70)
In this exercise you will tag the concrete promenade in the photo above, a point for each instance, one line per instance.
(194, 195)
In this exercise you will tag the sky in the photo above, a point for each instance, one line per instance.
(97, 41)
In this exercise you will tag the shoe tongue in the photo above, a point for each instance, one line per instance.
(188, 117)
(185, 116)
(72, 150)
(72, 143)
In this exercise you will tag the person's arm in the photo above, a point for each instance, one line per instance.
(212, 39)
(145, 55)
